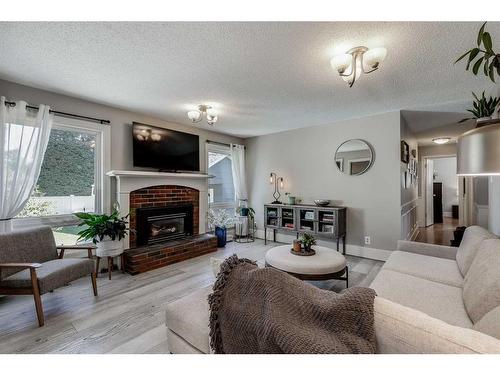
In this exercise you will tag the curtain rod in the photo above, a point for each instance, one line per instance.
(64, 114)
(220, 143)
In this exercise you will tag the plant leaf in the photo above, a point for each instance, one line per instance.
(492, 73)
(477, 65)
(487, 42)
(461, 57)
(480, 34)
(473, 54)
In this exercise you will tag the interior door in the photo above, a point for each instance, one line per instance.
(438, 202)
(429, 190)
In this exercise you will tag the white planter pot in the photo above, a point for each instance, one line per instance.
(109, 248)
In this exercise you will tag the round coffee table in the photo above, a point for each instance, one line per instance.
(326, 264)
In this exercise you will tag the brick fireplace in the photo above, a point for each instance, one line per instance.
(167, 216)
(165, 200)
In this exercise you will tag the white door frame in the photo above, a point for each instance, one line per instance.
(424, 182)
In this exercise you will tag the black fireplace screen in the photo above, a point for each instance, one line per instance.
(155, 225)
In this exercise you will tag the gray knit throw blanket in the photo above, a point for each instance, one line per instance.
(263, 310)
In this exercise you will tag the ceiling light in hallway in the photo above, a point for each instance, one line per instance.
(358, 61)
(441, 140)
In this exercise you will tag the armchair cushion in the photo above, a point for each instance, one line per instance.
(52, 274)
(473, 237)
(26, 246)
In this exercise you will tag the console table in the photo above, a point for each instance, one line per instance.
(327, 222)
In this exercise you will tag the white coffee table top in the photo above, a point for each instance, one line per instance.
(325, 261)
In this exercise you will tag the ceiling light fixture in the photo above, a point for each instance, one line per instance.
(197, 115)
(358, 61)
(441, 140)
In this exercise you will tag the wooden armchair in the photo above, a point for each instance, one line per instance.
(30, 264)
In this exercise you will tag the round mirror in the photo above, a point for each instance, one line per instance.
(354, 157)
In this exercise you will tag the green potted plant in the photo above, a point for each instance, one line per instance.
(291, 198)
(307, 241)
(246, 211)
(105, 231)
(483, 108)
(219, 220)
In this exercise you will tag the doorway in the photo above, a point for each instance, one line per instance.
(441, 196)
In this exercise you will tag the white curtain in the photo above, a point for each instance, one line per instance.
(238, 169)
(24, 134)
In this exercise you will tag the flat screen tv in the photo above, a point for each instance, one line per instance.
(164, 149)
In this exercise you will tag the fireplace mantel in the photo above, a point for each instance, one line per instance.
(129, 181)
(121, 173)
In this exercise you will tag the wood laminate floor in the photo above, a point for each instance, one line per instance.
(128, 316)
(439, 234)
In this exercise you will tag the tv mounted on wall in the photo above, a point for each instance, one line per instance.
(165, 149)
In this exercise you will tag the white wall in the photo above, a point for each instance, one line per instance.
(305, 159)
(121, 121)
(445, 171)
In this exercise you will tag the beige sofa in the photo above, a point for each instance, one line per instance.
(430, 299)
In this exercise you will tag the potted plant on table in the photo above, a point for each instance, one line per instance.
(219, 220)
(105, 231)
(307, 241)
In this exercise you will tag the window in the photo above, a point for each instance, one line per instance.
(220, 187)
(71, 178)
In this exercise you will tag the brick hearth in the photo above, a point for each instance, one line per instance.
(146, 258)
(162, 196)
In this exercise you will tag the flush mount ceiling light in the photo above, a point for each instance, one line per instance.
(197, 115)
(441, 140)
(358, 61)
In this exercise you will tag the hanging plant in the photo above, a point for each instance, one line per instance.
(482, 107)
(486, 57)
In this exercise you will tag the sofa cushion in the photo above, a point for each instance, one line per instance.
(482, 283)
(438, 300)
(35, 245)
(52, 274)
(426, 267)
(188, 318)
(473, 237)
(490, 323)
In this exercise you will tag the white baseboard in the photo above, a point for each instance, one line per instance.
(355, 250)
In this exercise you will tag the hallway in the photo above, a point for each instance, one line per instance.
(439, 234)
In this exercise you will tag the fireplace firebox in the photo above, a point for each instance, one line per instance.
(163, 224)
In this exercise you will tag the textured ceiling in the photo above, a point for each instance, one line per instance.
(261, 77)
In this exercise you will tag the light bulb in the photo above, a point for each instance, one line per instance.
(341, 63)
(281, 182)
(194, 116)
(271, 180)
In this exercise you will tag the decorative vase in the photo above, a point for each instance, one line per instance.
(291, 200)
(307, 248)
(221, 234)
(244, 211)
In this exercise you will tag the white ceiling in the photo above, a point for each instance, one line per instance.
(261, 77)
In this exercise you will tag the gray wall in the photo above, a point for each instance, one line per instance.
(121, 121)
(445, 170)
(305, 159)
(409, 227)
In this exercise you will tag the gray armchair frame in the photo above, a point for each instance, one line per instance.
(35, 290)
